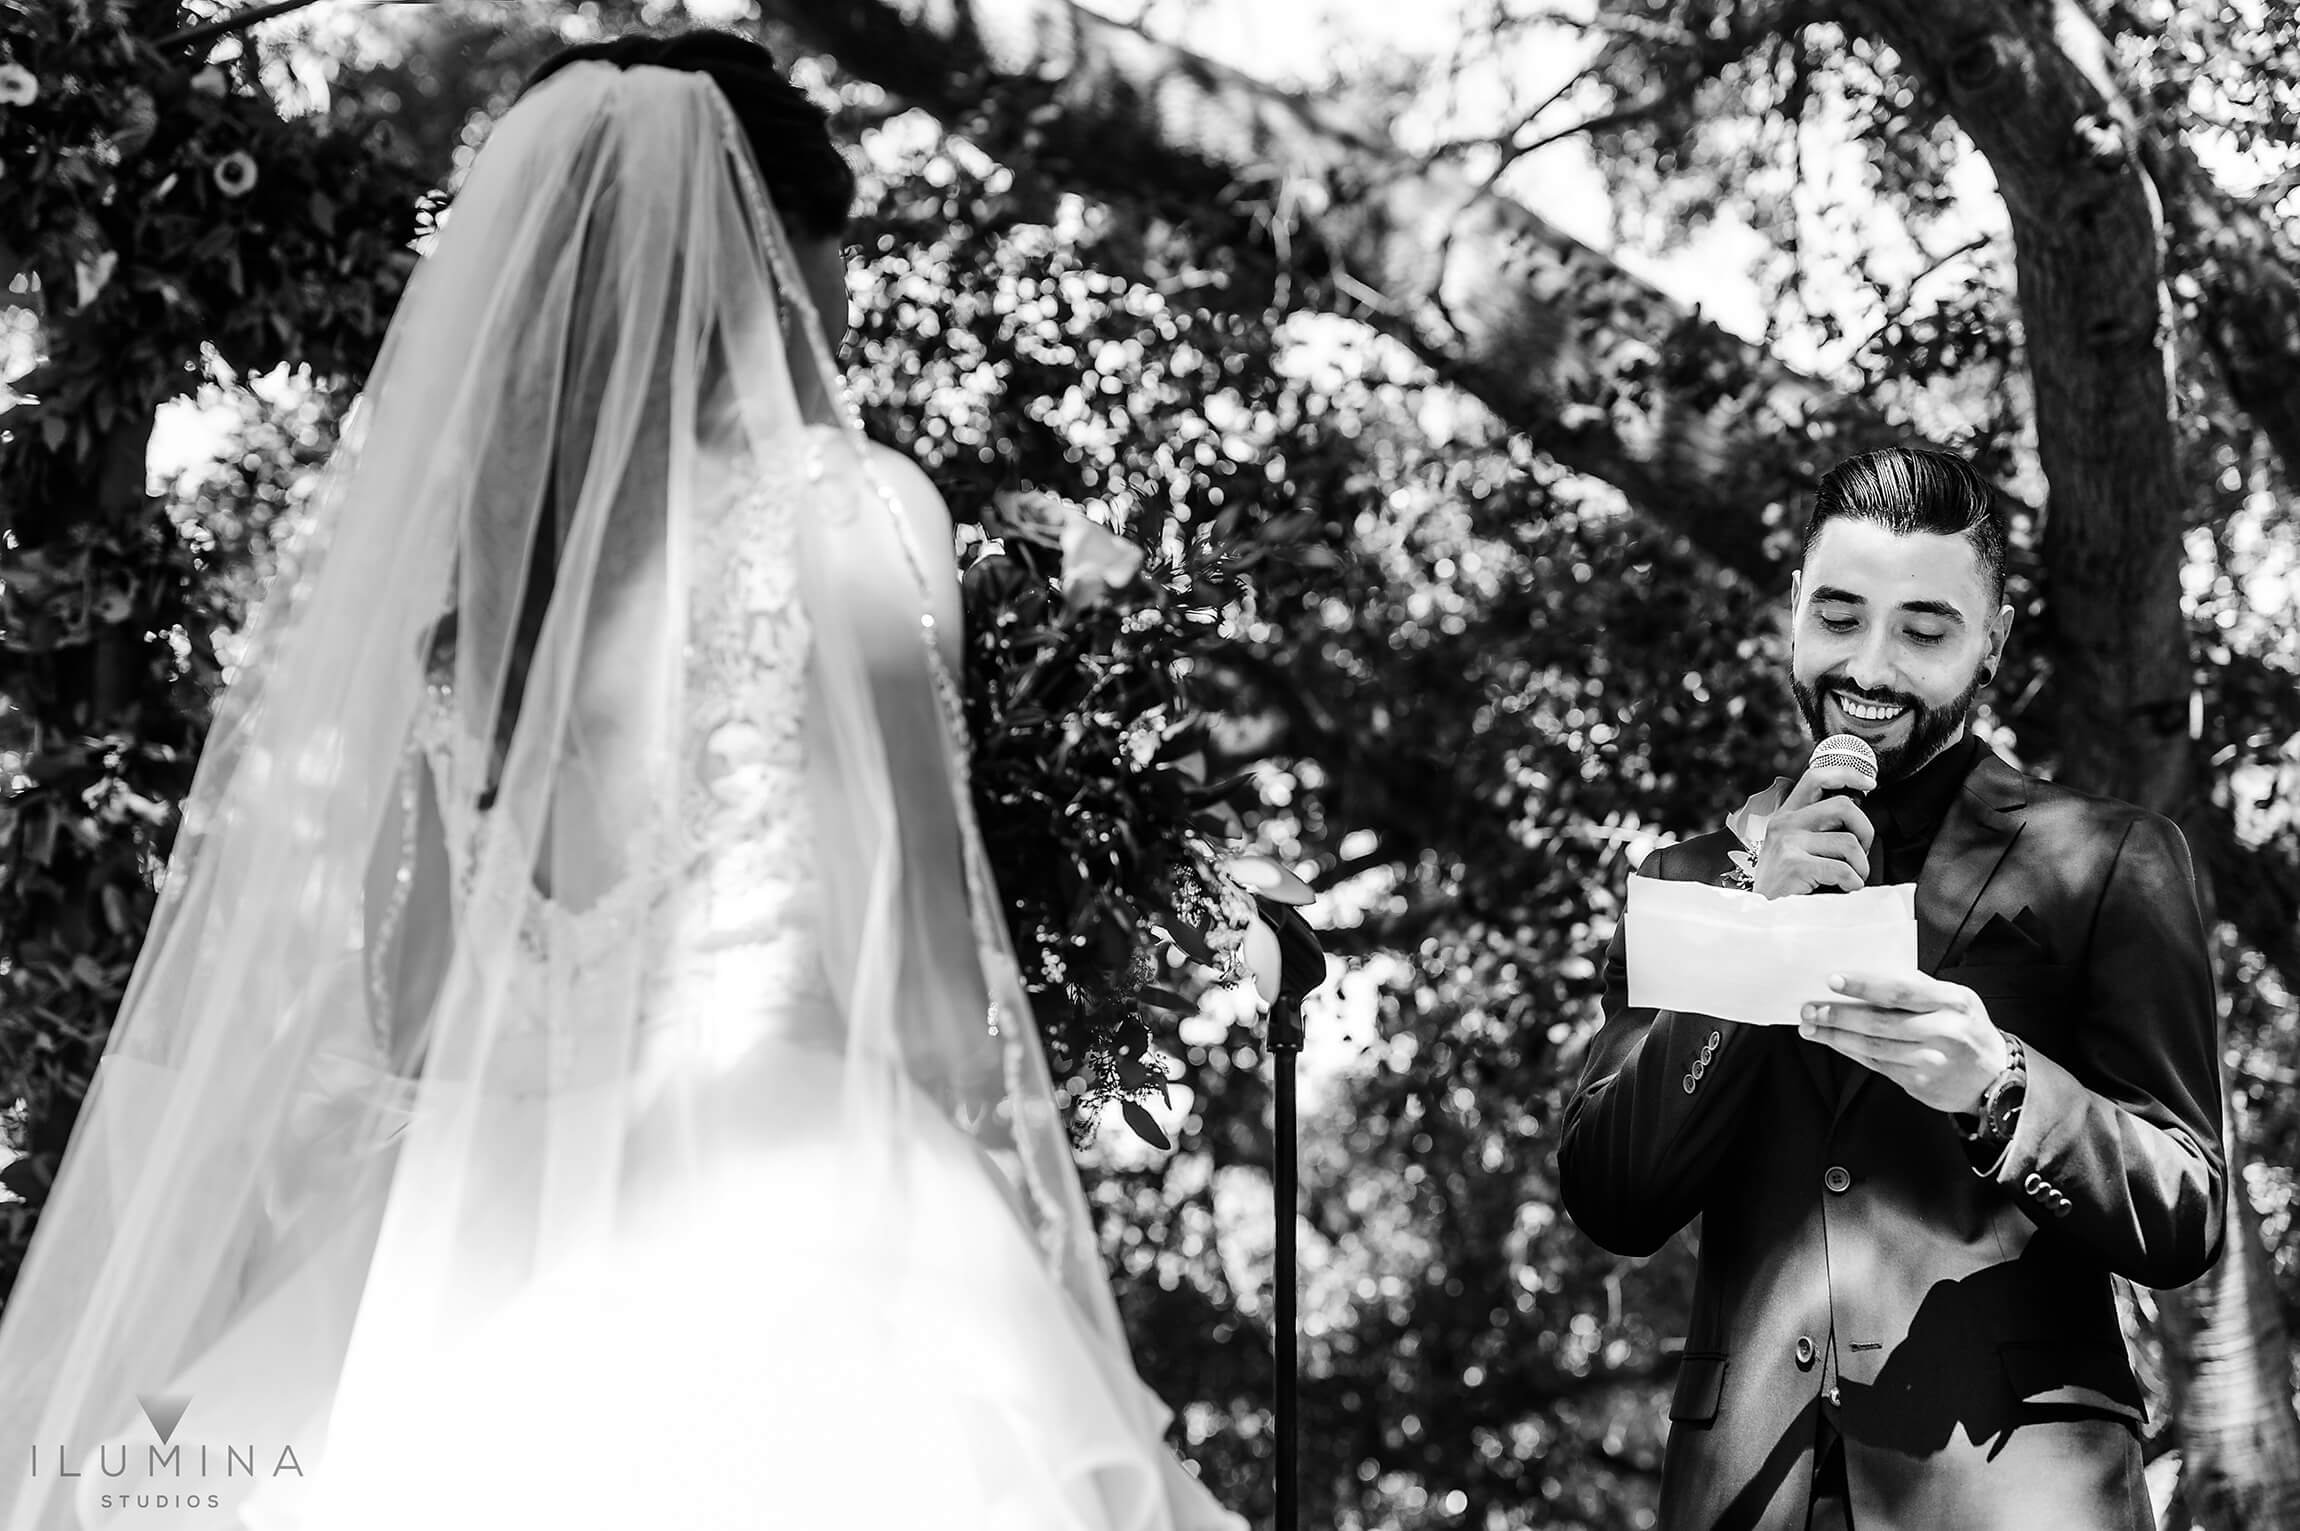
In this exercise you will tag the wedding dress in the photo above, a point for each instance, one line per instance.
(627, 1114)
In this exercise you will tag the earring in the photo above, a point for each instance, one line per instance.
(1988, 672)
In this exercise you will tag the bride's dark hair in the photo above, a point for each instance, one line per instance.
(810, 182)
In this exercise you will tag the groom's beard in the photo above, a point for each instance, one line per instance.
(1930, 728)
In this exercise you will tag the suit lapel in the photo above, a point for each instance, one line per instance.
(1982, 823)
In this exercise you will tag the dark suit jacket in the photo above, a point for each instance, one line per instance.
(1984, 1383)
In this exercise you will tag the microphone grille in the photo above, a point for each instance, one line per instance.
(1847, 750)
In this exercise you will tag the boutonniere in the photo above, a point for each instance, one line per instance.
(1747, 824)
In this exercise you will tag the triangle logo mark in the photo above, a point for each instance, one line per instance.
(164, 1414)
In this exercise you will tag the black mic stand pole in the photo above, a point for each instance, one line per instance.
(1285, 1053)
(1302, 968)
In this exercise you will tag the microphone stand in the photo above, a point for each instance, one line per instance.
(1285, 1053)
(1302, 968)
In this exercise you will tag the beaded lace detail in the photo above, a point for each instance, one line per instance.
(715, 905)
(740, 910)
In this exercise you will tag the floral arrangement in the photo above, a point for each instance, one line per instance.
(1090, 770)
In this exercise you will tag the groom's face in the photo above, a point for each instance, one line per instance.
(1890, 637)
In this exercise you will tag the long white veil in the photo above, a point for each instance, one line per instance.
(382, 1067)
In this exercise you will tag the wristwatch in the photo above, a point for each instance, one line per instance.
(2001, 1101)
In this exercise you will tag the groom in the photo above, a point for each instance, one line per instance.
(1912, 1205)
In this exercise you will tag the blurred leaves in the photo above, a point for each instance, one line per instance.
(159, 211)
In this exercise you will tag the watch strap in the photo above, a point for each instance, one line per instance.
(2001, 1104)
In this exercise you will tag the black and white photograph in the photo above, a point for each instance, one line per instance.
(1149, 765)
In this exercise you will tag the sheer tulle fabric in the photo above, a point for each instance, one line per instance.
(576, 1075)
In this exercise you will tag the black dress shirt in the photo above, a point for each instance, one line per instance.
(1907, 813)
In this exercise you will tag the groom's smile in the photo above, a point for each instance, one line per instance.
(1892, 633)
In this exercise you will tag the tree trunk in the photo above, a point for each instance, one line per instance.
(2089, 258)
(2228, 1363)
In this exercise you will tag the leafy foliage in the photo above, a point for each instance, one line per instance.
(998, 348)
(159, 210)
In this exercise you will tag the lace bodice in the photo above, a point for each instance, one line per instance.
(712, 916)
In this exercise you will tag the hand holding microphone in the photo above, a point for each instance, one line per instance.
(1818, 840)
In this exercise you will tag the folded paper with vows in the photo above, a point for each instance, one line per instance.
(1743, 957)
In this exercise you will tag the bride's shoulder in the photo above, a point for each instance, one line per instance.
(890, 471)
(908, 481)
(922, 504)
(893, 467)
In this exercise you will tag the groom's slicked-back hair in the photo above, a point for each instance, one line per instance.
(812, 185)
(1915, 489)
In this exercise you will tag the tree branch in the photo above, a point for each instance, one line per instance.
(1708, 434)
(1619, 116)
(207, 31)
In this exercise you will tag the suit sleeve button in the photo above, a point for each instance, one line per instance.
(1838, 1179)
(1689, 1084)
(1716, 1039)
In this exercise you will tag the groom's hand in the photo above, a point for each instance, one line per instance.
(1814, 842)
(1933, 1039)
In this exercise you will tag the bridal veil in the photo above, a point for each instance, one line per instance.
(382, 1069)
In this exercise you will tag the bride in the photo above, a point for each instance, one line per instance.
(576, 1076)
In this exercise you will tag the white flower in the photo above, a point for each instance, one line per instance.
(210, 81)
(1265, 878)
(1095, 561)
(1030, 514)
(91, 273)
(1747, 822)
(18, 86)
(236, 173)
(1265, 962)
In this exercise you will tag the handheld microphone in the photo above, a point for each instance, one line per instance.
(1847, 750)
